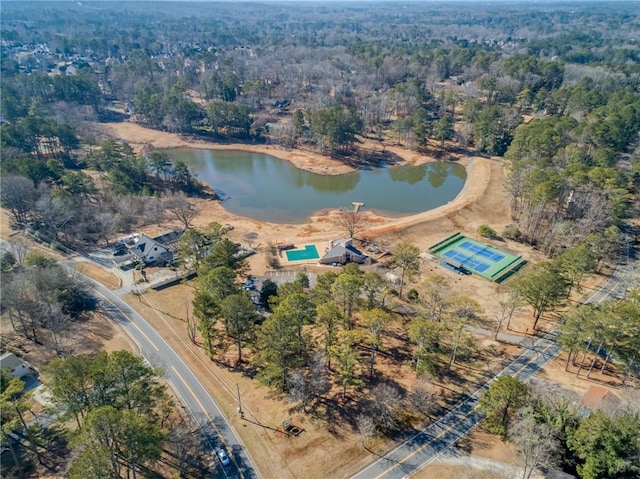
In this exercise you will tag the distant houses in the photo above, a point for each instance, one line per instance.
(342, 251)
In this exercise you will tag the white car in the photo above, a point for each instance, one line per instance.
(222, 455)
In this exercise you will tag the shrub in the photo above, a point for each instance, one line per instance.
(512, 232)
(487, 232)
(412, 295)
(273, 262)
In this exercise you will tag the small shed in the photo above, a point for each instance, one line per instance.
(16, 366)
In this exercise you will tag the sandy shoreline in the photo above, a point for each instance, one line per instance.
(483, 176)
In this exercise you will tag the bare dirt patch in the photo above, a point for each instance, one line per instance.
(99, 274)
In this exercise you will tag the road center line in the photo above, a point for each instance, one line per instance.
(125, 315)
(442, 433)
(230, 453)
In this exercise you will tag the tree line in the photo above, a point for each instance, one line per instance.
(87, 197)
(111, 411)
(551, 432)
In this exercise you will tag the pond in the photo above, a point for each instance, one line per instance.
(268, 189)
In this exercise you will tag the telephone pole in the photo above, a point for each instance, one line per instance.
(239, 402)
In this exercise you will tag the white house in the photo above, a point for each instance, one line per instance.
(16, 366)
(150, 251)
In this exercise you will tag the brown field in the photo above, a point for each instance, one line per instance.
(332, 448)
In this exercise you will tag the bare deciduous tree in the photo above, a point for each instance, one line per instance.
(183, 210)
(192, 322)
(423, 401)
(350, 221)
(366, 428)
(299, 389)
(384, 409)
(536, 444)
(319, 382)
(508, 306)
(18, 196)
(250, 238)
(185, 446)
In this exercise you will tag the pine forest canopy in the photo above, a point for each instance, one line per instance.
(323, 76)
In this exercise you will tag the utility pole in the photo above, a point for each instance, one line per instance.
(239, 402)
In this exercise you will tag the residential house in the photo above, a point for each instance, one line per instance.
(599, 398)
(149, 251)
(342, 252)
(16, 366)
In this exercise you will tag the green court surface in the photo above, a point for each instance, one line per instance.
(309, 252)
(461, 253)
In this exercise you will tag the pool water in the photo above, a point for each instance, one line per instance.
(309, 252)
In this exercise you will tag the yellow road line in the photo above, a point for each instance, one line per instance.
(130, 321)
(404, 459)
(208, 417)
(145, 335)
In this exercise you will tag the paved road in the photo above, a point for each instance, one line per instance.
(425, 446)
(195, 398)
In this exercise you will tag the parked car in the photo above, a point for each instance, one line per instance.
(222, 455)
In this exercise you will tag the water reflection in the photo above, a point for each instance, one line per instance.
(438, 174)
(408, 174)
(265, 188)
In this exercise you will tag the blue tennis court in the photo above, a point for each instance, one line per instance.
(467, 261)
(466, 254)
(482, 251)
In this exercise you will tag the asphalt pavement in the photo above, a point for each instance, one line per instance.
(415, 453)
(195, 398)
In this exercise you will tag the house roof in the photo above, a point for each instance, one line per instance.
(355, 251)
(598, 397)
(339, 250)
(10, 360)
(144, 245)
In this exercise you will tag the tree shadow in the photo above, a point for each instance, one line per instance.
(367, 160)
(247, 369)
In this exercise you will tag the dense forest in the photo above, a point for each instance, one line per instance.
(555, 93)
(549, 90)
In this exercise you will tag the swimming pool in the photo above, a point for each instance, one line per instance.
(309, 252)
